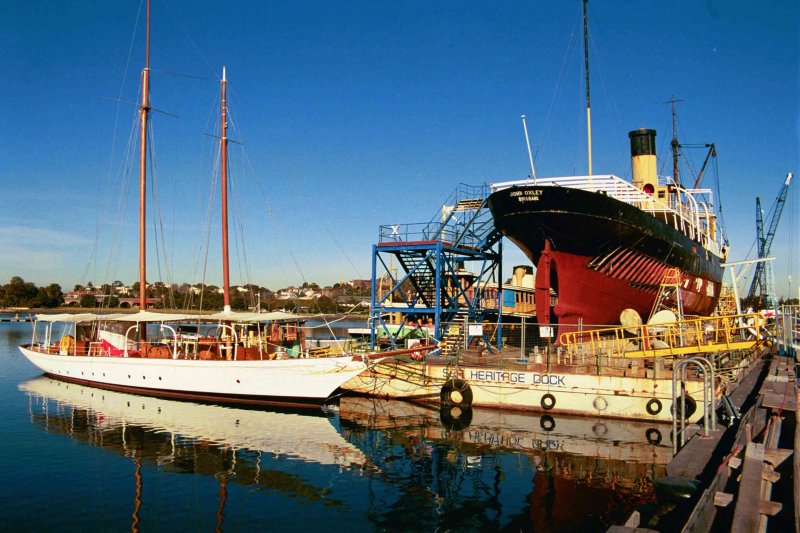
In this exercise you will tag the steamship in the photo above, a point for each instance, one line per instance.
(602, 244)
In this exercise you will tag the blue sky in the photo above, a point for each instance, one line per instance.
(355, 114)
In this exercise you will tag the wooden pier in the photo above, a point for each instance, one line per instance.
(738, 478)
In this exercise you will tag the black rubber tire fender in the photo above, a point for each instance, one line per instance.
(456, 392)
(653, 406)
(691, 407)
(548, 401)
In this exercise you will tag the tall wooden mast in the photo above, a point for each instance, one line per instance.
(223, 149)
(588, 99)
(143, 112)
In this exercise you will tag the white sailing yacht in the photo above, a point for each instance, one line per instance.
(253, 357)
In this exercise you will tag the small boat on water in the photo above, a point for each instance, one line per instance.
(251, 358)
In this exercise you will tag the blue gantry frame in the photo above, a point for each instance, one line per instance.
(441, 269)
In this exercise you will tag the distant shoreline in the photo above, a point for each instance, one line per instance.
(58, 310)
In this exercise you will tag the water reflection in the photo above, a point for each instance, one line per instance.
(507, 470)
(379, 464)
(228, 444)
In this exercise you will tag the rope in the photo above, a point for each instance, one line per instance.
(567, 54)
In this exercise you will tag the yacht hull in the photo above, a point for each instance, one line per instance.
(270, 382)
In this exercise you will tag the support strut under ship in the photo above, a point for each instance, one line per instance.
(601, 244)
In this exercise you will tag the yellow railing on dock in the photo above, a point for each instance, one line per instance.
(685, 337)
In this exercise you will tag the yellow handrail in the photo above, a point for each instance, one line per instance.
(694, 335)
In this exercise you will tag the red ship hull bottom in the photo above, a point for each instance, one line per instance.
(590, 298)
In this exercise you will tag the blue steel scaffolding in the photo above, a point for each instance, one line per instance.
(435, 273)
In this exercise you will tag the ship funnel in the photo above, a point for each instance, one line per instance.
(643, 159)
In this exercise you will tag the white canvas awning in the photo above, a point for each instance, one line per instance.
(68, 318)
(233, 316)
(149, 316)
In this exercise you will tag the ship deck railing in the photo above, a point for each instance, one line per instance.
(692, 216)
(425, 235)
(462, 222)
(704, 335)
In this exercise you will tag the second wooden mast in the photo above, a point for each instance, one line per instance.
(143, 112)
(223, 149)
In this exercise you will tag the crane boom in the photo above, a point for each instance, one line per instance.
(760, 278)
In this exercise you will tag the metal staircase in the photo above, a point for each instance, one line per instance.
(440, 267)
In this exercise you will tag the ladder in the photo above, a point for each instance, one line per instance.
(669, 294)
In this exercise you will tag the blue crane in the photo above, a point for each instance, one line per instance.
(762, 280)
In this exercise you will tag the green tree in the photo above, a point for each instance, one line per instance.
(55, 297)
(50, 296)
(88, 301)
(238, 302)
(326, 305)
(18, 293)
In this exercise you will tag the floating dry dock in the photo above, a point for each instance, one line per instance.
(624, 372)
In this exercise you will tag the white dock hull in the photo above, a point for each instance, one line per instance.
(269, 381)
(623, 397)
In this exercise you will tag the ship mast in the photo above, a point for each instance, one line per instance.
(143, 112)
(586, 67)
(675, 144)
(223, 149)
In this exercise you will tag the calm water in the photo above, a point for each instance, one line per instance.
(76, 457)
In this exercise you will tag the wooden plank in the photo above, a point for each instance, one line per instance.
(770, 475)
(779, 400)
(776, 456)
(769, 508)
(747, 514)
(722, 499)
(633, 520)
